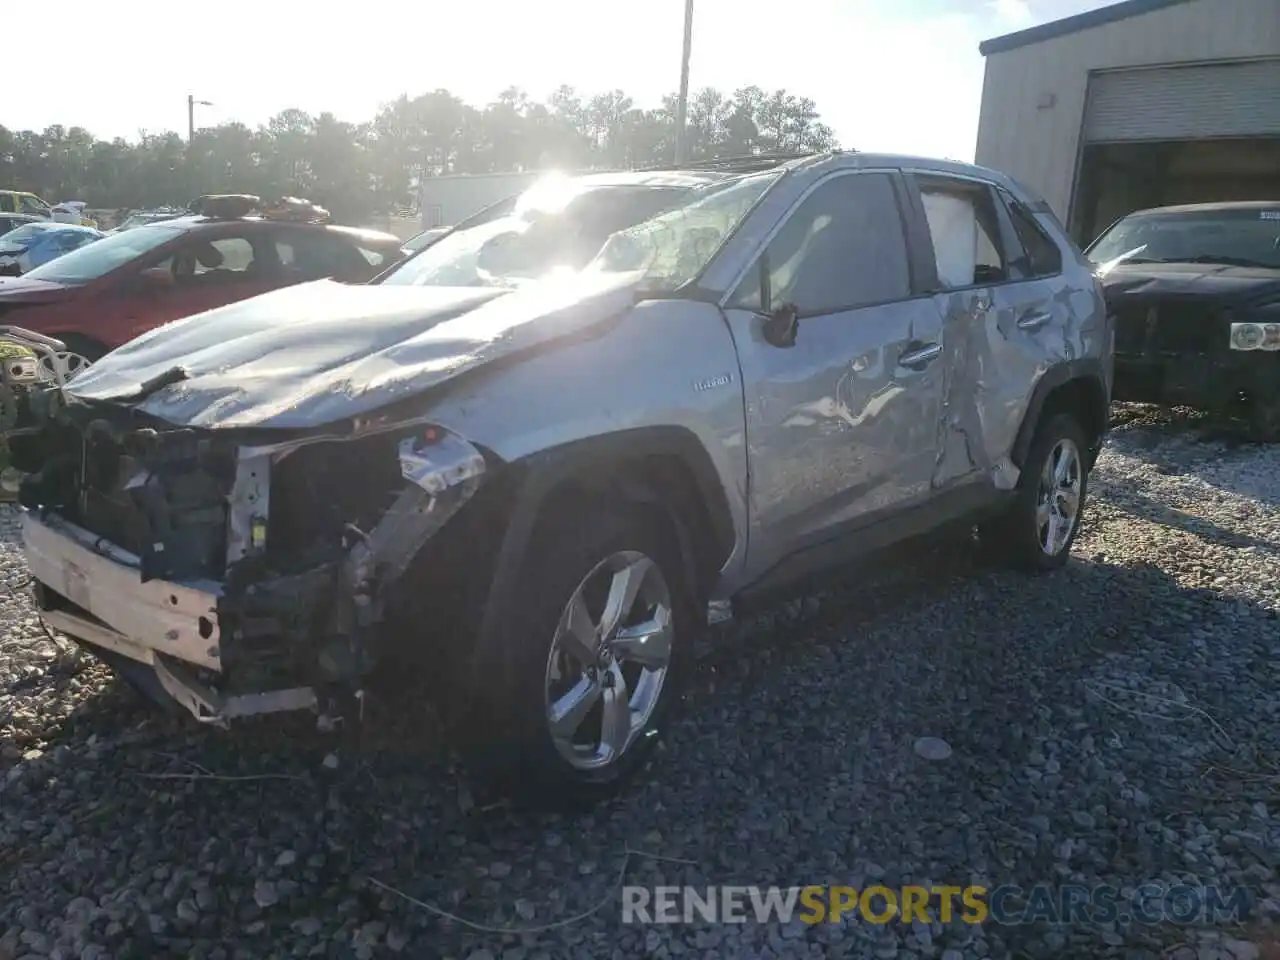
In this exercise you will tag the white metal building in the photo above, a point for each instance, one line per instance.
(450, 199)
(1137, 104)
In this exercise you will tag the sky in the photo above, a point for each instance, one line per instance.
(892, 75)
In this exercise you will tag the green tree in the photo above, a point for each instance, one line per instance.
(360, 169)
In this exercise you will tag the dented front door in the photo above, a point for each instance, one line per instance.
(841, 422)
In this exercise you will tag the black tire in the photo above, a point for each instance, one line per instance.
(1015, 536)
(140, 677)
(507, 742)
(1264, 418)
(86, 346)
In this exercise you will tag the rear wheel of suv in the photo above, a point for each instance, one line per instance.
(1038, 530)
(575, 691)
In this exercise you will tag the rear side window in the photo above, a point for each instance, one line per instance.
(842, 248)
(965, 230)
(374, 257)
(1042, 256)
(313, 255)
(7, 203)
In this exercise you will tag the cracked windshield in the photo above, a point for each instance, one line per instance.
(682, 480)
(563, 225)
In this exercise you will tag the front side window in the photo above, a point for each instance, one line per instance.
(965, 231)
(844, 247)
(204, 261)
(1241, 236)
(98, 259)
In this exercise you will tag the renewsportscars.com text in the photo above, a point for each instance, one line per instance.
(1150, 903)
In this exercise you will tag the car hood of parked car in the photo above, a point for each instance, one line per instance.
(1215, 282)
(15, 290)
(318, 353)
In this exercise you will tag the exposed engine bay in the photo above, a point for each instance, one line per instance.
(249, 570)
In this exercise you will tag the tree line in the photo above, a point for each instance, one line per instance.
(362, 169)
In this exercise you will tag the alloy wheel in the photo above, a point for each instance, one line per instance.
(609, 660)
(1058, 497)
(63, 366)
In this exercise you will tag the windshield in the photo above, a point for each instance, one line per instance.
(672, 249)
(24, 233)
(99, 258)
(1238, 237)
(559, 225)
(137, 220)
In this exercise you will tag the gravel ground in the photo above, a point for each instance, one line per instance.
(1118, 722)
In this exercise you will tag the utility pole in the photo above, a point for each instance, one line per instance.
(682, 104)
(192, 103)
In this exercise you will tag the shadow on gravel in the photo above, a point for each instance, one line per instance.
(1132, 501)
(792, 763)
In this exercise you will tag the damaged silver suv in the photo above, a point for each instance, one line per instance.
(534, 459)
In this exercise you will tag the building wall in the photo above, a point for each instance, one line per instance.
(448, 200)
(1037, 143)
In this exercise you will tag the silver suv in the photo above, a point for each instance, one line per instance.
(534, 459)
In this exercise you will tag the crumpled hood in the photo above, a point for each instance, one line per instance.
(315, 353)
(1210, 282)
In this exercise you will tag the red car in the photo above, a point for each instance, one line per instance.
(112, 290)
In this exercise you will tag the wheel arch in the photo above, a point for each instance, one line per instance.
(1077, 387)
(664, 467)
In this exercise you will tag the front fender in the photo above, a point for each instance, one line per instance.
(668, 369)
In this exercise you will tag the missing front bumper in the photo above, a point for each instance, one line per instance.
(91, 592)
(261, 639)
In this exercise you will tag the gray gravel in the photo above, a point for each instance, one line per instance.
(1118, 722)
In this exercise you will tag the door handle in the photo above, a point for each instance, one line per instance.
(920, 356)
(1034, 320)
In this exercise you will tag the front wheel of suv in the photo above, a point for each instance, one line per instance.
(588, 656)
(1040, 527)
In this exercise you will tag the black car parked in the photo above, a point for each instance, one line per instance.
(1195, 290)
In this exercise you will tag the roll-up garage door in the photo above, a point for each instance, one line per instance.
(1183, 103)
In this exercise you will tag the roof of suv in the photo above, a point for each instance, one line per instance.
(709, 171)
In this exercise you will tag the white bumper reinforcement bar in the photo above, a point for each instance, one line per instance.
(170, 627)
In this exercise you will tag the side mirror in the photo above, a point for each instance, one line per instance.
(781, 325)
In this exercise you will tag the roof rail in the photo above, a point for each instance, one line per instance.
(744, 163)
